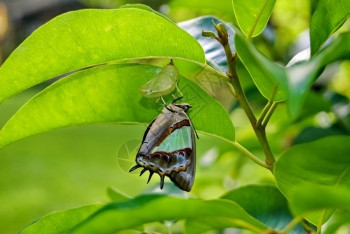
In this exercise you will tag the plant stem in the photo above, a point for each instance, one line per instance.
(320, 221)
(291, 224)
(267, 108)
(263, 113)
(240, 95)
(249, 154)
(269, 114)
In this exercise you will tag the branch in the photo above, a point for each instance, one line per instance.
(259, 130)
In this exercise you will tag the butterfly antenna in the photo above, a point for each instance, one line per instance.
(195, 131)
(143, 171)
(150, 176)
(134, 167)
(177, 99)
(161, 98)
(161, 181)
(179, 91)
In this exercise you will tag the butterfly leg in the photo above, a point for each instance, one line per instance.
(178, 90)
(162, 181)
(143, 171)
(134, 167)
(150, 176)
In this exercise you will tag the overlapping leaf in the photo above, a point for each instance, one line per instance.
(328, 16)
(265, 203)
(265, 73)
(109, 94)
(294, 80)
(62, 221)
(85, 38)
(150, 208)
(320, 163)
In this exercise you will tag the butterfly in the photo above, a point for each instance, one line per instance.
(169, 148)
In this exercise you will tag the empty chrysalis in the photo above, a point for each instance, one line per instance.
(162, 84)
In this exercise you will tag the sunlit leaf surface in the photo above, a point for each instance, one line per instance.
(84, 38)
(110, 94)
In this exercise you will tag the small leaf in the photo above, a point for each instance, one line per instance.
(151, 208)
(328, 16)
(252, 15)
(110, 94)
(86, 38)
(265, 73)
(265, 203)
(61, 221)
(320, 163)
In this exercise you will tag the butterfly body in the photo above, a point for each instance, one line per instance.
(168, 147)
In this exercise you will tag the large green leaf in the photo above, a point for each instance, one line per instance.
(109, 94)
(220, 7)
(306, 198)
(265, 203)
(252, 15)
(62, 221)
(265, 73)
(324, 162)
(150, 208)
(84, 38)
(328, 16)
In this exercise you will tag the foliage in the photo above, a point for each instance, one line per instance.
(103, 57)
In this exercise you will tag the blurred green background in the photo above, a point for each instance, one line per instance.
(74, 166)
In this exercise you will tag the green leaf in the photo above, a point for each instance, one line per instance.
(265, 73)
(320, 163)
(115, 195)
(265, 203)
(328, 16)
(340, 218)
(151, 208)
(252, 15)
(61, 221)
(110, 94)
(86, 38)
(306, 198)
(222, 7)
(302, 75)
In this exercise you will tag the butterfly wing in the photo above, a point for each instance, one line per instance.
(168, 148)
(184, 179)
